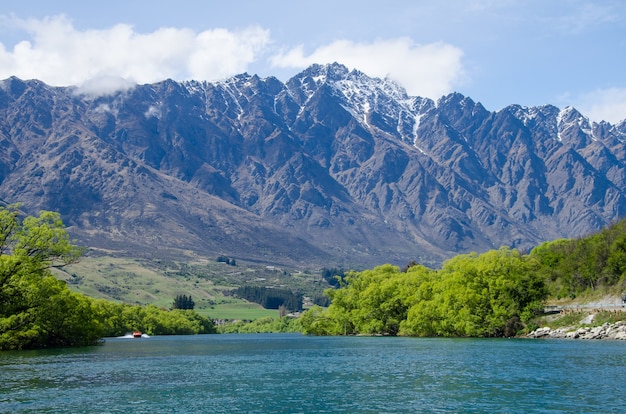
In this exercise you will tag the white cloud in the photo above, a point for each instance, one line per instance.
(102, 61)
(153, 112)
(104, 85)
(61, 55)
(430, 70)
(604, 105)
(105, 108)
(222, 52)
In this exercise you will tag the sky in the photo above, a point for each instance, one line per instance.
(497, 52)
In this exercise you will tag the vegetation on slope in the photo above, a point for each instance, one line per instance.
(211, 283)
(472, 295)
(579, 266)
(263, 325)
(497, 293)
(271, 298)
(37, 310)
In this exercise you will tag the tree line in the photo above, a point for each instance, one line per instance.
(472, 295)
(271, 298)
(333, 276)
(574, 266)
(493, 294)
(38, 311)
(183, 302)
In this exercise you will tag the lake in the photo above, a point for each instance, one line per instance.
(291, 373)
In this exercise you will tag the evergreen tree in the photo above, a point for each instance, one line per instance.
(183, 302)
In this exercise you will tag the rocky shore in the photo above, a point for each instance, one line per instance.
(615, 330)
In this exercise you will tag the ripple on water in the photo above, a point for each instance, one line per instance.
(294, 373)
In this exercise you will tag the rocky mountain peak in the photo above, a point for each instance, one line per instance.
(331, 167)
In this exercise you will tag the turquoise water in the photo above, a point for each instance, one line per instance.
(300, 374)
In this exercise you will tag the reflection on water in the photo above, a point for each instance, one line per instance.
(294, 373)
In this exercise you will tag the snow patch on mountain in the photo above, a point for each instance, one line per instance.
(570, 119)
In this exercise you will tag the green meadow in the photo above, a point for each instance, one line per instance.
(210, 283)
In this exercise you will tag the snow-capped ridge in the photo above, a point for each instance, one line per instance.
(570, 118)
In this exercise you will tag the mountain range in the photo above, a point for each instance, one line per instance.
(331, 168)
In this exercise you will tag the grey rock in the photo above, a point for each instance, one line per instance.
(616, 331)
(329, 168)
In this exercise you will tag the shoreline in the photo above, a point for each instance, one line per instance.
(614, 331)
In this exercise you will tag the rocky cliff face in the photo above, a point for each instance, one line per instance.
(331, 168)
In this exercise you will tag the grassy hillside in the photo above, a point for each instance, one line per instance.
(209, 282)
(573, 272)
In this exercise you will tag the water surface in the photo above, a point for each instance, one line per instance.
(265, 373)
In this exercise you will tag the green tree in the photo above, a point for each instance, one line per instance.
(316, 321)
(37, 310)
(183, 302)
(478, 295)
(373, 301)
(571, 267)
(472, 295)
(120, 319)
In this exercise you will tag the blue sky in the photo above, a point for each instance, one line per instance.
(498, 52)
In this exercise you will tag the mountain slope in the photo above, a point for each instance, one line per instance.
(331, 167)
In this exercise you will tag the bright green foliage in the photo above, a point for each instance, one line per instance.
(571, 267)
(264, 325)
(315, 321)
(472, 295)
(37, 310)
(120, 319)
(370, 302)
(176, 322)
(479, 295)
(374, 301)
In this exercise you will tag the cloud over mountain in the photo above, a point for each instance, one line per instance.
(430, 70)
(61, 55)
(604, 104)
